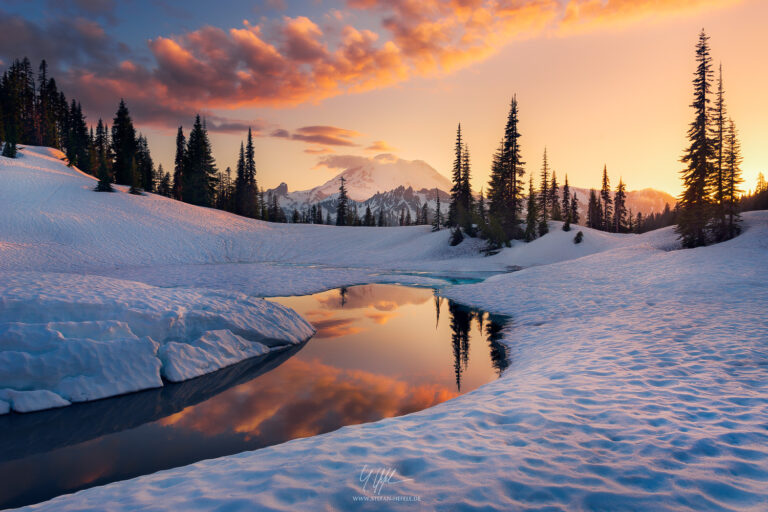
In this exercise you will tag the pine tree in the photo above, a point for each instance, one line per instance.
(694, 203)
(178, 165)
(164, 188)
(606, 201)
(465, 213)
(574, 209)
(732, 179)
(456, 176)
(199, 171)
(595, 217)
(368, 220)
(342, 208)
(134, 178)
(554, 199)
(424, 214)
(620, 211)
(532, 217)
(437, 222)
(381, 222)
(105, 179)
(717, 183)
(544, 199)
(144, 165)
(123, 145)
(505, 194)
(567, 206)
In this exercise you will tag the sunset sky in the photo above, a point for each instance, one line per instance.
(598, 81)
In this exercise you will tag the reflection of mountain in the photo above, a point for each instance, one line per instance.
(27, 434)
(382, 297)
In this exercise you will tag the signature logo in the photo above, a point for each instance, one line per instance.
(374, 480)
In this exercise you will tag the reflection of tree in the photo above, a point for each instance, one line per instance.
(461, 318)
(493, 330)
(343, 295)
(438, 305)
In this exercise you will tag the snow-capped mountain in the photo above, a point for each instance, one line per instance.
(394, 185)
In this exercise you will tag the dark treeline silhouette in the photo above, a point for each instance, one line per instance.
(757, 200)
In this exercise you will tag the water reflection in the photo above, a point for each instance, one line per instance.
(380, 351)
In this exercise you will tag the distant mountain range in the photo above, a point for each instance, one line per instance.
(393, 184)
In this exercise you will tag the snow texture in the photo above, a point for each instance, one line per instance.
(638, 375)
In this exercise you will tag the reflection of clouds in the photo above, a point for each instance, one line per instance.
(380, 318)
(305, 398)
(380, 297)
(335, 327)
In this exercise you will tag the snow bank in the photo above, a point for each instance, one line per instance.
(68, 338)
(638, 381)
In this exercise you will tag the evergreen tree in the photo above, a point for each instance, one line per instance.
(368, 220)
(437, 222)
(544, 198)
(465, 212)
(381, 222)
(178, 165)
(732, 179)
(457, 188)
(694, 202)
(574, 209)
(134, 178)
(408, 218)
(424, 214)
(164, 188)
(505, 193)
(144, 165)
(606, 201)
(567, 206)
(105, 179)
(342, 207)
(123, 145)
(482, 216)
(554, 199)
(199, 170)
(295, 218)
(620, 210)
(717, 183)
(595, 217)
(532, 217)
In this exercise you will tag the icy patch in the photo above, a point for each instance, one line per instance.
(68, 338)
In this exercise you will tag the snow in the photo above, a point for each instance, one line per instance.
(85, 337)
(638, 375)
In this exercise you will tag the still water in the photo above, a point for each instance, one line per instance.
(379, 351)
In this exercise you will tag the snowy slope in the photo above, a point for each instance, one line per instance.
(52, 220)
(635, 384)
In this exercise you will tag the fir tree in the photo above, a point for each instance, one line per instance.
(381, 222)
(595, 217)
(105, 179)
(424, 214)
(544, 199)
(554, 199)
(574, 209)
(178, 165)
(342, 207)
(123, 145)
(437, 221)
(605, 201)
(456, 176)
(134, 178)
(567, 206)
(717, 183)
(199, 172)
(465, 212)
(532, 217)
(694, 203)
(620, 210)
(164, 188)
(368, 219)
(732, 179)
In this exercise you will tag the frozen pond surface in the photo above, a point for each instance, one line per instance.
(380, 351)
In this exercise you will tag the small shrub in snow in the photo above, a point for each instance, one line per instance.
(456, 236)
(578, 238)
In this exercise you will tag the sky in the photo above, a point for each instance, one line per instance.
(599, 82)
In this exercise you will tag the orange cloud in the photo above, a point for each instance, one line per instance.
(297, 61)
(379, 146)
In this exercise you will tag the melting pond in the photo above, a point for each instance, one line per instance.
(379, 351)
